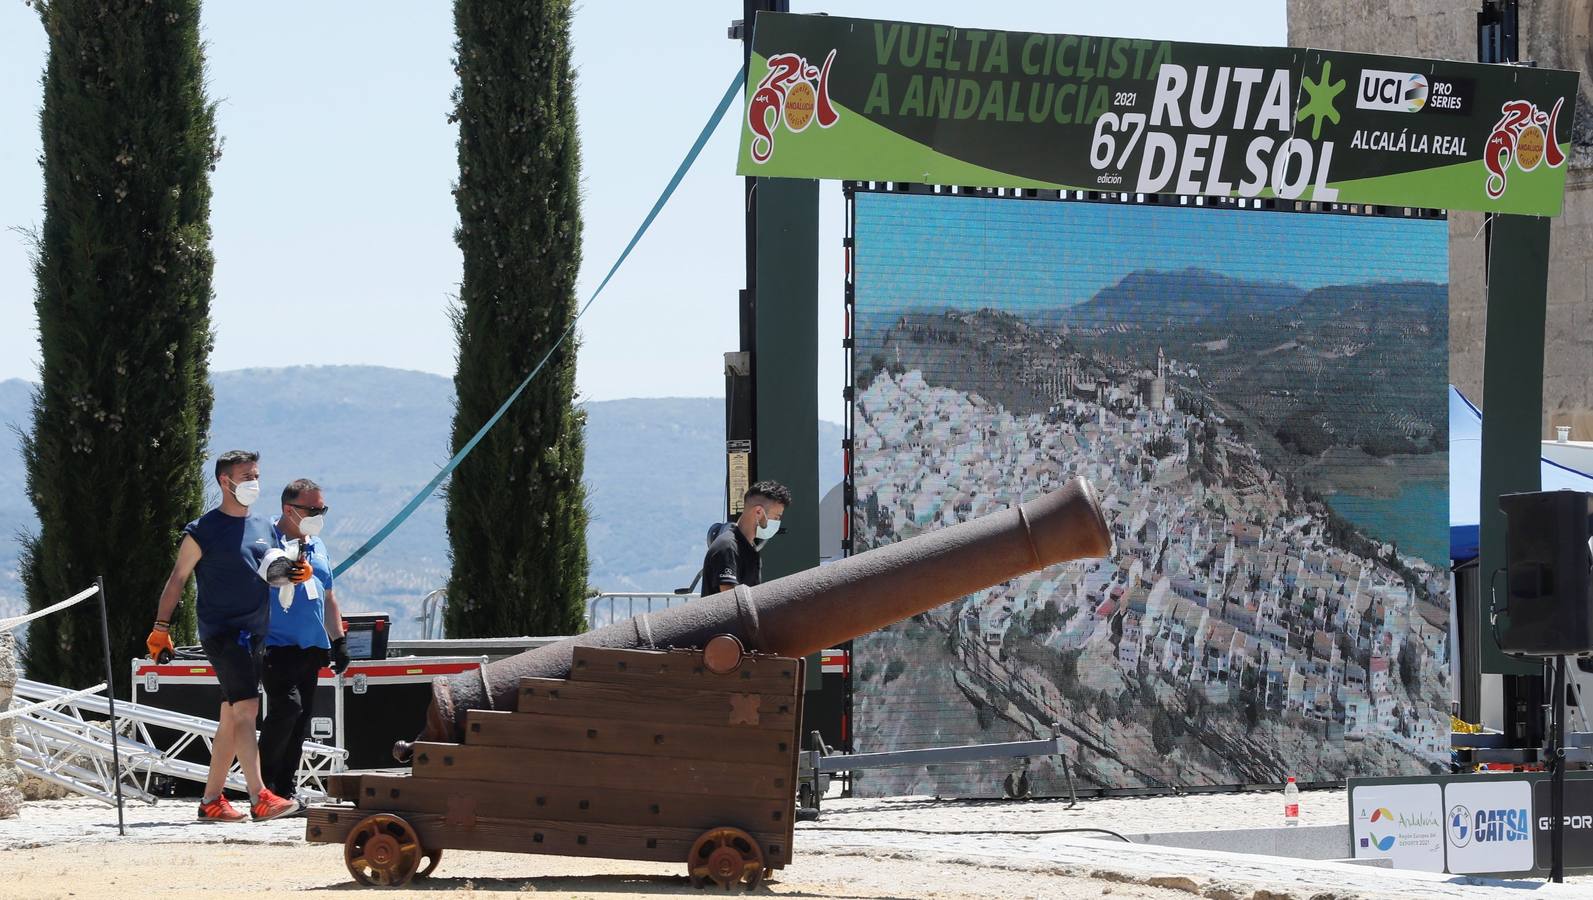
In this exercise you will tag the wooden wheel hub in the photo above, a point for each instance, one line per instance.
(725, 865)
(727, 857)
(382, 850)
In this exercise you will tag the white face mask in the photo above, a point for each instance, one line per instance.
(768, 529)
(246, 492)
(310, 526)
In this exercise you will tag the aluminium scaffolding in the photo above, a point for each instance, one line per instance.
(62, 738)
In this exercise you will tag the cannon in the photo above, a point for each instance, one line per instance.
(672, 735)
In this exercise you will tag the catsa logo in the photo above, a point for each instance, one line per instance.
(1524, 135)
(1391, 91)
(1488, 826)
(794, 93)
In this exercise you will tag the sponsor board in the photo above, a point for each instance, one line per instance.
(1488, 826)
(1578, 819)
(1403, 823)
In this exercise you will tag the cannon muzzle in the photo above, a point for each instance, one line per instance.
(816, 609)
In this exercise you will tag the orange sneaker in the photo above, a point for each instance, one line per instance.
(270, 806)
(219, 810)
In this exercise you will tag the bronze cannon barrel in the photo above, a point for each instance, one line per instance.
(816, 609)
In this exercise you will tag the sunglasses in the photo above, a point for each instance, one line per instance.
(312, 510)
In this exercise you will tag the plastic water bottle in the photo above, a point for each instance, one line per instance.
(1291, 803)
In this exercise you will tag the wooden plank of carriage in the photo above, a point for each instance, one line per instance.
(612, 770)
(793, 761)
(761, 674)
(645, 701)
(344, 786)
(589, 734)
(462, 800)
(332, 825)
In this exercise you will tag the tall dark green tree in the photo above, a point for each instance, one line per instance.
(516, 507)
(123, 264)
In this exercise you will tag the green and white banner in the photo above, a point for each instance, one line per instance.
(867, 100)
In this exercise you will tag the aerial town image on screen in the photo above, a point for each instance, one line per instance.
(1259, 397)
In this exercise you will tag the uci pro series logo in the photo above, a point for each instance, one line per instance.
(1488, 826)
(1391, 91)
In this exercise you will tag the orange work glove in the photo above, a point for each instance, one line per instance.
(159, 641)
(301, 572)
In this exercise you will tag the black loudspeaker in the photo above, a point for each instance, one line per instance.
(1547, 573)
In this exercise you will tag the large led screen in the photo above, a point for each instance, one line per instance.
(1259, 400)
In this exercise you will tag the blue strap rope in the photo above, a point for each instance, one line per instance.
(669, 189)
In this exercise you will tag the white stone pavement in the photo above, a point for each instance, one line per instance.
(1221, 876)
(76, 820)
(968, 832)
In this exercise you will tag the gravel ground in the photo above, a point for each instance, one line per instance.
(897, 848)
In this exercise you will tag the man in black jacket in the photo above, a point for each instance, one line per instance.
(733, 554)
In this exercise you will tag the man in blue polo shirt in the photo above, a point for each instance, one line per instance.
(306, 633)
(234, 557)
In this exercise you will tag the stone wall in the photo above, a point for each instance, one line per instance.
(10, 780)
(1556, 34)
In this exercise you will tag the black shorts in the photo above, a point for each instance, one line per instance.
(237, 665)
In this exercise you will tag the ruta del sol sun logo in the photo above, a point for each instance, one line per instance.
(795, 93)
(1524, 135)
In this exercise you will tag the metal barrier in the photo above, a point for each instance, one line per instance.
(606, 609)
(97, 590)
(432, 607)
(601, 609)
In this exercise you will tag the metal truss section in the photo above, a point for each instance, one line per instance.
(64, 740)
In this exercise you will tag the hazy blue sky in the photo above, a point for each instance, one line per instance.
(332, 200)
(933, 252)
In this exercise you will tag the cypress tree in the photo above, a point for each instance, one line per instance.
(114, 460)
(516, 507)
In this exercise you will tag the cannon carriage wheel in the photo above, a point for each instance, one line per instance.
(432, 856)
(384, 851)
(728, 857)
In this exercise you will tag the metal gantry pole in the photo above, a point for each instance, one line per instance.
(110, 698)
(1557, 779)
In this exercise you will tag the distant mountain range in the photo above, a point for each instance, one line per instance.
(1395, 302)
(1184, 296)
(373, 436)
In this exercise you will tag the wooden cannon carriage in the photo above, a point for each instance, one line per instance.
(591, 747)
(678, 755)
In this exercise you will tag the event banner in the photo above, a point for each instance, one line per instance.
(868, 100)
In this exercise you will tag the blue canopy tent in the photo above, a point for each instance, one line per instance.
(1465, 476)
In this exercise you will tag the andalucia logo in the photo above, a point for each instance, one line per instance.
(1386, 842)
(1322, 92)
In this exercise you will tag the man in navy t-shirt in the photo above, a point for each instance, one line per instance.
(306, 633)
(234, 557)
